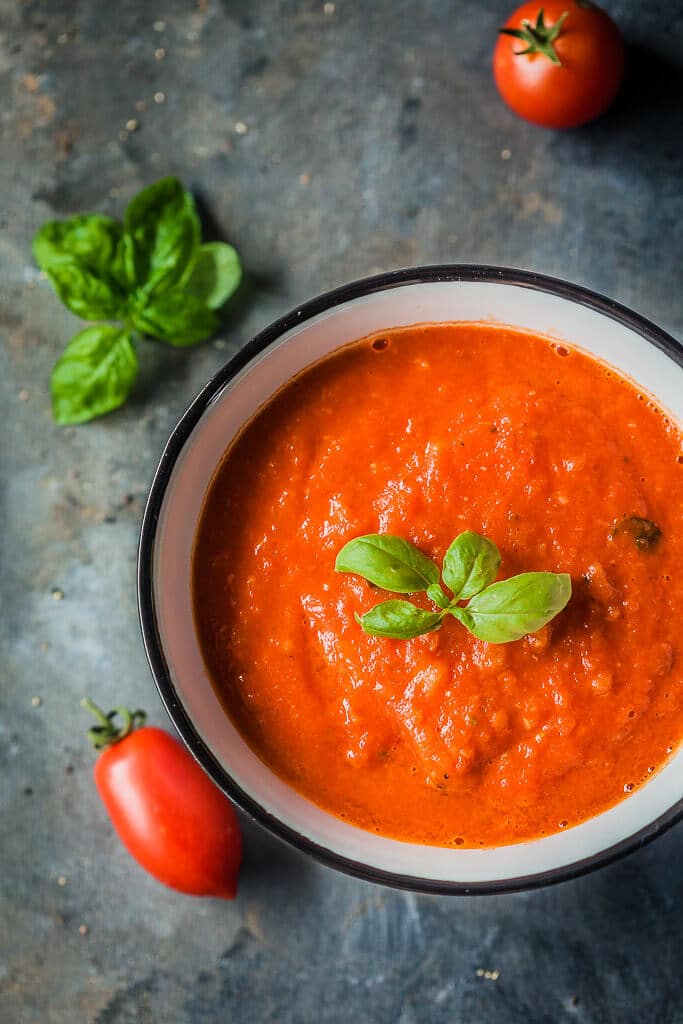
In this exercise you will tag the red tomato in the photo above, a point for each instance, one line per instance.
(560, 63)
(167, 812)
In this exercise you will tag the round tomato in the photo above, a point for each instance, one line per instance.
(166, 810)
(559, 64)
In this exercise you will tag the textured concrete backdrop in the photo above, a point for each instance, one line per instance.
(326, 141)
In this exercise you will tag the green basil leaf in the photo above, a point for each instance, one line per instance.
(399, 620)
(90, 239)
(389, 562)
(123, 267)
(176, 318)
(94, 375)
(436, 594)
(462, 615)
(164, 227)
(85, 293)
(522, 604)
(78, 256)
(470, 564)
(216, 274)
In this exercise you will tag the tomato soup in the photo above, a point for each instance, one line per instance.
(425, 432)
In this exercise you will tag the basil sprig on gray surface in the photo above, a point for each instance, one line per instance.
(99, 364)
(496, 612)
(151, 275)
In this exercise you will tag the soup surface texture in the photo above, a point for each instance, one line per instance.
(426, 432)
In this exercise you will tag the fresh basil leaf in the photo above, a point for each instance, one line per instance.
(176, 318)
(216, 274)
(94, 375)
(389, 562)
(85, 293)
(78, 255)
(470, 564)
(123, 267)
(399, 620)
(436, 594)
(522, 604)
(90, 239)
(462, 615)
(164, 227)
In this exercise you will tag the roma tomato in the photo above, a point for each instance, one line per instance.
(559, 64)
(167, 812)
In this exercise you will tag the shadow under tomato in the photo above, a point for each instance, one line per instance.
(648, 111)
(273, 869)
(653, 90)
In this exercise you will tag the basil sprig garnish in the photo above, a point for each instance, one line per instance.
(399, 620)
(496, 612)
(389, 562)
(470, 564)
(151, 274)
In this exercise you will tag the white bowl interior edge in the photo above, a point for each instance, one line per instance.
(232, 407)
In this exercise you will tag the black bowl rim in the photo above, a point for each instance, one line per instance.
(150, 635)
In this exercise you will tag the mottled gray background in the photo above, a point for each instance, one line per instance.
(326, 142)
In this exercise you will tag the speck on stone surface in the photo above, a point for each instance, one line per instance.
(327, 90)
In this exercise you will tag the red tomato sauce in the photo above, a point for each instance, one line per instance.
(425, 432)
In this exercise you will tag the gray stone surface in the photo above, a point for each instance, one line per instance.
(374, 139)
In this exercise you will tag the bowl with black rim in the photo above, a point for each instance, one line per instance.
(637, 348)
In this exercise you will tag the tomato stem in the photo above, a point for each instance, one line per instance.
(539, 38)
(107, 732)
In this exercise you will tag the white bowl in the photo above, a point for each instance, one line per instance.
(636, 347)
